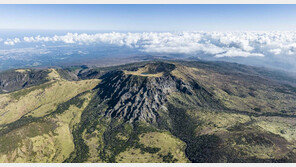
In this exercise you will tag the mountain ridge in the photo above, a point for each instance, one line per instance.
(205, 111)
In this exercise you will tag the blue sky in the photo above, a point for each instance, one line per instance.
(149, 17)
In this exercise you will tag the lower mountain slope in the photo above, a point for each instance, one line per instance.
(157, 111)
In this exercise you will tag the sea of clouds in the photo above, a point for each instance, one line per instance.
(270, 49)
(219, 44)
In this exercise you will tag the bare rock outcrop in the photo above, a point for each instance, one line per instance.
(135, 97)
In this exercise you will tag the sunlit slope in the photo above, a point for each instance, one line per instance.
(253, 122)
(42, 99)
(150, 112)
(37, 122)
(48, 139)
(126, 143)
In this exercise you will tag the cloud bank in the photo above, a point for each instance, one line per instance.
(12, 41)
(219, 44)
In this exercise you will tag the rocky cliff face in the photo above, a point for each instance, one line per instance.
(148, 112)
(141, 95)
(135, 97)
(17, 79)
(138, 97)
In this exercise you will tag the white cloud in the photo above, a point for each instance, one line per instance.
(238, 53)
(219, 44)
(276, 51)
(12, 41)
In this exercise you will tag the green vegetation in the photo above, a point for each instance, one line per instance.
(47, 138)
(210, 113)
(17, 95)
(40, 100)
(13, 80)
(145, 71)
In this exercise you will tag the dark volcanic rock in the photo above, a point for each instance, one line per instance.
(13, 80)
(89, 74)
(136, 97)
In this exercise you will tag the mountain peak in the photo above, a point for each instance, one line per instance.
(177, 111)
(139, 94)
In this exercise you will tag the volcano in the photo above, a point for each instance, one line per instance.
(154, 111)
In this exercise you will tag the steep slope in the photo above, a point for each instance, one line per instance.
(157, 111)
(141, 94)
(236, 132)
(17, 79)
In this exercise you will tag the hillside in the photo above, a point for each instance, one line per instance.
(155, 111)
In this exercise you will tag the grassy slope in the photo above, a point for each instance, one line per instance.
(57, 106)
(47, 140)
(242, 135)
(240, 131)
(143, 72)
(42, 99)
(171, 149)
